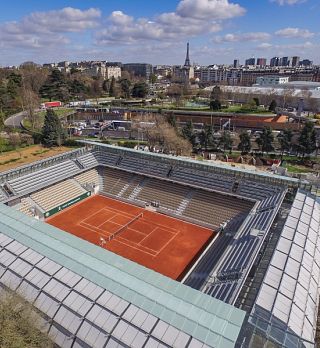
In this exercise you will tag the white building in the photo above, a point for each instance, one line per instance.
(113, 71)
(272, 80)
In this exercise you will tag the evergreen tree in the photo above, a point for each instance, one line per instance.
(125, 87)
(216, 94)
(206, 137)
(308, 139)
(273, 106)
(245, 143)
(285, 141)
(226, 141)
(112, 90)
(256, 101)
(265, 140)
(188, 132)
(215, 105)
(52, 131)
(171, 119)
(140, 90)
(55, 87)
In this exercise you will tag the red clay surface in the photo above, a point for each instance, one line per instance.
(164, 244)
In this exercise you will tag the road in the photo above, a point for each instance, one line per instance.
(14, 120)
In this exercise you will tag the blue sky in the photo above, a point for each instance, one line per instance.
(156, 31)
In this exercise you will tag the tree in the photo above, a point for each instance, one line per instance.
(285, 141)
(308, 139)
(20, 324)
(206, 136)
(162, 135)
(272, 106)
(226, 141)
(153, 78)
(55, 87)
(245, 143)
(106, 86)
(52, 131)
(125, 87)
(256, 101)
(187, 132)
(140, 90)
(112, 90)
(30, 102)
(15, 141)
(175, 92)
(265, 140)
(216, 94)
(96, 89)
(215, 105)
(171, 119)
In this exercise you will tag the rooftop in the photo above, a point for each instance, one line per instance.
(209, 320)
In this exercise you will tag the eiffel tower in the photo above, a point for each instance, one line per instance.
(187, 61)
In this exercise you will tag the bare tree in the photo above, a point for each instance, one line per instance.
(30, 103)
(160, 134)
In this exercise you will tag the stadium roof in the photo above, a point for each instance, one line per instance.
(174, 305)
(235, 170)
(287, 304)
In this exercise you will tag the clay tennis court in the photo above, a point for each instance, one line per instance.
(164, 244)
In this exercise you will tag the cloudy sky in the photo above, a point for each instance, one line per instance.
(156, 31)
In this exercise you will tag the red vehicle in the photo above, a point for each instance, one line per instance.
(52, 104)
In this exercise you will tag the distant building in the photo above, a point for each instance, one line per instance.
(275, 61)
(272, 80)
(183, 73)
(113, 71)
(96, 71)
(284, 61)
(250, 61)
(261, 62)
(236, 63)
(139, 69)
(295, 61)
(306, 62)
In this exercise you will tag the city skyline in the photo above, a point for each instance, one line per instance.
(219, 31)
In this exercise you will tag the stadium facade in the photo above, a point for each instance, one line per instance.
(256, 284)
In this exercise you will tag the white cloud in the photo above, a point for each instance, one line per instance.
(239, 37)
(288, 2)
(209, 9)
(43, 29)
(294, 33)
(192, 17)
(291, 47)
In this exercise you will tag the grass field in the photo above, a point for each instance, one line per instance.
(16, 158)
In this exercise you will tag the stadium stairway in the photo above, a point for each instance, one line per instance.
(138, 189)
(3, 195)
(183, 205)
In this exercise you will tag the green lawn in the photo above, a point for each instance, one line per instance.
(296, 169)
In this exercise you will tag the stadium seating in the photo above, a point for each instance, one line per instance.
(215, 208)
(142, 166)
(202, 179)
(40, 178)
(25, 207)
(89, 177)
(88, 160)
(114, 181)
(106, 158)
(58, 194)
(169, 195)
